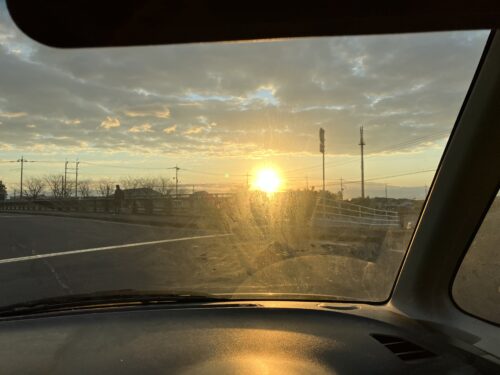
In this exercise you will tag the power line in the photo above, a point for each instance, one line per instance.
(213, 173)
(376, 152)
(387, 177)
(98, 164)
(402, 174)
(203, 173)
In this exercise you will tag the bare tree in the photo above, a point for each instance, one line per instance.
(147, 183)
(69, 189)
(84, 189)
(104, 188)
(55, 184)
(164, 186)
(130, 183)
(34, 187)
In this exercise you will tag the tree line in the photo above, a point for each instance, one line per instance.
(55, 186)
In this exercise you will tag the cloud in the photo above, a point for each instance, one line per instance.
(194, 130)
(205, 128)
(5, 147)
(110, 122)
(264, 97)
(144, 128)
(148, 111)
(170, 129)
(13, 114)
(163, 114)
(71, 121)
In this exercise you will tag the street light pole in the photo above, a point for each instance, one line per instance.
(362, 145)
(322, 150)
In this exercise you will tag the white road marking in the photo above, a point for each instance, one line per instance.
(106, 248)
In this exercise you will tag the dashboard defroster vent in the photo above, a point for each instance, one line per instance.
(405, 350)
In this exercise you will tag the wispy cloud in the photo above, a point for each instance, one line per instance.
(215, 99)
(148, 111)
(194, 130)
(110, 122)
(170, 129)
(12, 114)
(144, 128)
(71, 121)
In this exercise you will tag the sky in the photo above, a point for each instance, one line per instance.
(222, 110)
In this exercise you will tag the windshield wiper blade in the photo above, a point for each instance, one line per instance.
(119, 298)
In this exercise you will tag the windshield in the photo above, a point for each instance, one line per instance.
(291, 169)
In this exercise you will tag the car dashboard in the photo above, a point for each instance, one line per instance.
(228, 338)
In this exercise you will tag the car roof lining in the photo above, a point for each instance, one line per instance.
(96, 23)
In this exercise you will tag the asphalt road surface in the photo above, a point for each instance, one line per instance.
(45, 256)
(49, 256)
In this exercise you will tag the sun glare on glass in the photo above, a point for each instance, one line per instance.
(267, 180)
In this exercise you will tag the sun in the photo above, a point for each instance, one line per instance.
(267, 180)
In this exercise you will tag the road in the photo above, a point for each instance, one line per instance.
(46, 256)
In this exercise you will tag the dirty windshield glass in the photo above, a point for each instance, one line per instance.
(294, 169)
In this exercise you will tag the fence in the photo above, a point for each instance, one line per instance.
(182, 204)
(326, 213)
(329, 212)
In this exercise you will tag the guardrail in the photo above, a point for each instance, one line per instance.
(329, 212)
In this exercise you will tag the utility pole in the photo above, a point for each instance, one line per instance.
(22, 160)
(341, 188)
(307, 182)
(386, 200)
(362, 144)
(322, 150)
(65, 178)
(323, 171)
(176, 180)
(76, 178)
